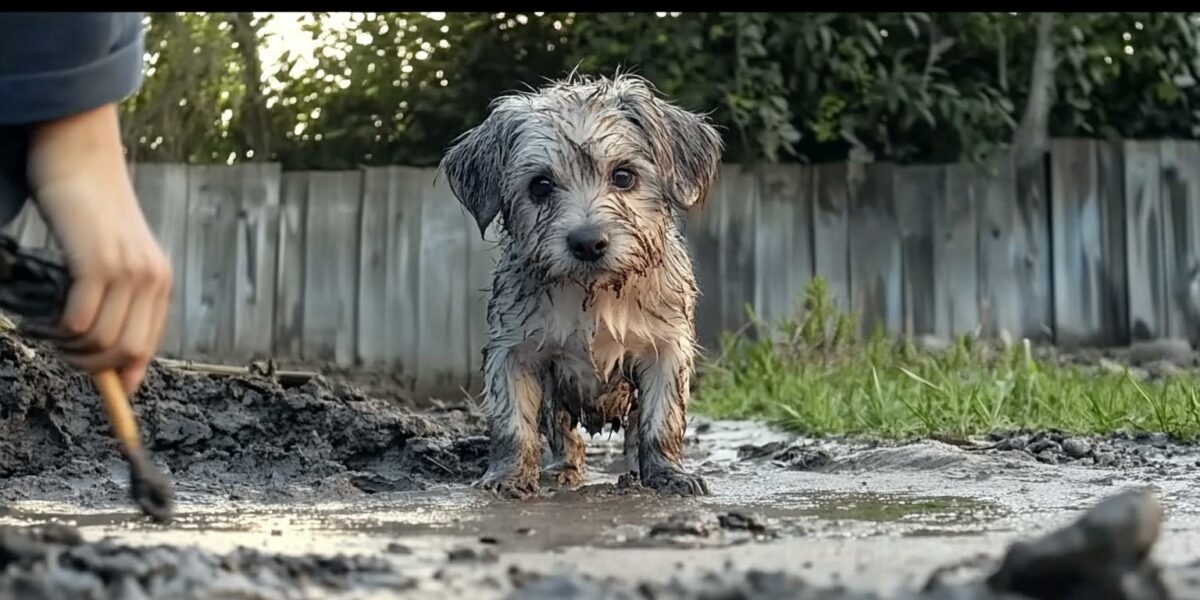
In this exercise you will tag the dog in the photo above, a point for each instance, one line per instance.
(591, 312)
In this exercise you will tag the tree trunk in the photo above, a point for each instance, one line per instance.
(255, 124)
(1032, 138)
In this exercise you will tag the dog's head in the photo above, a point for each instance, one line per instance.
(586, 174)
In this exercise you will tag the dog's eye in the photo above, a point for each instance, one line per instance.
(623, 179)
(541, 187)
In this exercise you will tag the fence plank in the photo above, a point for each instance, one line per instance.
(254, 266)
(702, 229)
(831, 231)
(1004, 252)
(211, 260)
(875, 253)
(402, 296)
(1110, 190)
(443, 361)
(782, 240)
(289, 279)
(736, 214)
(485, 252)
(372, 322)
(331, 265)
(162, 190)
(1145, 261)
(1178, 195)
(1078, 247)
(1032, 218)
(1186, 289)
(918, 189)
(955, 247)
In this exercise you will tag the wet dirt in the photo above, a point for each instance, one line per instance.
(318, 491)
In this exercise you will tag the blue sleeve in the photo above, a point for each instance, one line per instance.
(53, 65)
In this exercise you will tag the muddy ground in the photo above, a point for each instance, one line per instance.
(316, 490)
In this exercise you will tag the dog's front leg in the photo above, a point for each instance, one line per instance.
(512, 399)
(662, 409)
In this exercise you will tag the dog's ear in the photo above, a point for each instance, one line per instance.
(686, 147)
(475, 163)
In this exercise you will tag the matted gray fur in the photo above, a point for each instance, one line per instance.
(591, 315)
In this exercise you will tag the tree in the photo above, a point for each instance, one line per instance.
(397, 88)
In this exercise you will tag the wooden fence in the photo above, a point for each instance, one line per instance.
(382, 266)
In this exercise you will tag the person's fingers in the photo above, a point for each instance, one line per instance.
(105, 333)
(83, 303)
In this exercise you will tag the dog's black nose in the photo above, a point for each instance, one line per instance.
(588, 243)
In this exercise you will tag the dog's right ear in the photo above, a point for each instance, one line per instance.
(475, 163)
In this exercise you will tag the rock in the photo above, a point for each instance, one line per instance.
(742, 521)
(799, 458)
(751, 451)
(1162, 368)
(1016, 442)
(682, 524)
(471, 555)
(1076, 448)
(931, 344)
(1045, 446)
(1104, 554)
(1176, 351)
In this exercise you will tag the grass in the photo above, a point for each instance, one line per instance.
(810, 374)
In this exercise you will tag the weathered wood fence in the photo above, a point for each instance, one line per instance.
(382, 267)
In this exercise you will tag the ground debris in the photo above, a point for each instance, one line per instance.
(1102, 556)
(55, 563)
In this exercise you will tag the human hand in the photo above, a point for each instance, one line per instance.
(117, 306)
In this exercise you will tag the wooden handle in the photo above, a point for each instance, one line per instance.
(116, 404)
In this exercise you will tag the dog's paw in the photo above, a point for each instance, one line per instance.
(568, 476)
(674, 481)
(512, 486)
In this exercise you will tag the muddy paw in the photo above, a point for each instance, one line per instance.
(506, 485)
(568, 477)
(677, 482)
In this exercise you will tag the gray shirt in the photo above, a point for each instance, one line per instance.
(53, 65)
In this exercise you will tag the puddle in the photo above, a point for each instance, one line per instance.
(900, 509)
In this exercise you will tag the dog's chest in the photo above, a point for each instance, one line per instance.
(596, 337)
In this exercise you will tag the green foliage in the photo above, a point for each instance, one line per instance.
(804, 377)
(396, 88)
(191, 92)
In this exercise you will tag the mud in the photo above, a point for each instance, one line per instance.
(238, 437)
(320, 490)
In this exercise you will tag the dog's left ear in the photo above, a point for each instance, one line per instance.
(475, 163)
(686, 146)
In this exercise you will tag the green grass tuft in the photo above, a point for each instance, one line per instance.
(810, 374)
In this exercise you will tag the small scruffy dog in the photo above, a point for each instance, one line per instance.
(591, 315)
